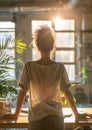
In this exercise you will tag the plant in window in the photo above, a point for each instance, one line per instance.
(8, 83)
(5, 59)
(20, 47)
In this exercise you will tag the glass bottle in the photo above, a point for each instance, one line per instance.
(8, 104)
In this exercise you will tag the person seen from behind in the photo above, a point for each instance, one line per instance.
(44, 80)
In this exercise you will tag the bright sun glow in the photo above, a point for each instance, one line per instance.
(57, 20)
(59, 23)
(7, 24)
(63, 24)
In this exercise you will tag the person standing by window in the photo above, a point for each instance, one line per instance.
(44, 79)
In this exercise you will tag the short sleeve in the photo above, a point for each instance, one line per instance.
(64, 79)
(24, 80)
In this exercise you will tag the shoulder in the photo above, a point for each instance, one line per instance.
(28, 63)
(61, 67)
(61, 64)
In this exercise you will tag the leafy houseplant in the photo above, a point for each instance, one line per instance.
(8, 84)
(5, 79)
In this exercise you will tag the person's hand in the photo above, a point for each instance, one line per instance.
(81, 116)
(10, 116)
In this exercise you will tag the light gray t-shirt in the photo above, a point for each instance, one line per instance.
(44, 84)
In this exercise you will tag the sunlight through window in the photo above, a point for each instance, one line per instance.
(63, 24)
(7, 30)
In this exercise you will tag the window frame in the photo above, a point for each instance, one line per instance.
(67, 48)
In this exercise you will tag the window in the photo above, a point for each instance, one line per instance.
(65, 43)
(7, 30)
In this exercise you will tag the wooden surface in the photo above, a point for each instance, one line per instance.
(70, 121)
(22, 121)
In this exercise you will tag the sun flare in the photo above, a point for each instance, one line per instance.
(59, 23)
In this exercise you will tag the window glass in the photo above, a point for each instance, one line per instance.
(11, 71)
(65, 44)
(10, 52)
(7, 31)
(61, 24)
(64, 56)
(65, 39)
(71, 72)
(4, 35)
(37, 23)
(35, 54)
(6, 25)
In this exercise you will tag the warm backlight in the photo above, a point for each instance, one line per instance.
(59, 23)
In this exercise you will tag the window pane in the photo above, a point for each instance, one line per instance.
(10, 36)
(37, 23)
(65, 40)
(35, 54)
(71, 72)
(64, 56)
(11, 52)
(64, 24)
(11, 71)
(7, 31)
(7, 25)
(6, 34)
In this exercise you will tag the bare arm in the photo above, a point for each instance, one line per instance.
(70, 100)
(20, 100)
(71, 103)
